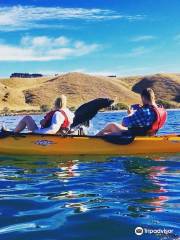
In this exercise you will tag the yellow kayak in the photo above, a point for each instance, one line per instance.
(34, 144)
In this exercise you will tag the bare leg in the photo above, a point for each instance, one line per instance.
(26, 122)
(112, 128)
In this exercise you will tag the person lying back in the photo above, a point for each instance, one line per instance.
(56, 121)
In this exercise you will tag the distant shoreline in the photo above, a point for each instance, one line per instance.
(41, 113)
(20, 113)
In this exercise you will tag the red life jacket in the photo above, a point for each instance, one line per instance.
(48, 119)
(161, 116)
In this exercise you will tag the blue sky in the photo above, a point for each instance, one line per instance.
(122, 37)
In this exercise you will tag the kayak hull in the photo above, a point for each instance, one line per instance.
(27, 144)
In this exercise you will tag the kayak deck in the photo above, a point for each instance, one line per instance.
(35, 144)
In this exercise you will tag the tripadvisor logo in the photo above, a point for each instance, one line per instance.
(138, 231)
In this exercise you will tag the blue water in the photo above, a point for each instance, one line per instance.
(90, 197)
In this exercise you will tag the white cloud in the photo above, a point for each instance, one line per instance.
(54, 72)
(124, 71)
(103, 73)
(143, 38)
(132, 52)
(118, 71)
(121, 71)
(27, 17)
(43, 48)
(132, 71)
(42, 41)
(138, 51)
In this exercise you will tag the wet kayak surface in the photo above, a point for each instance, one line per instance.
(91, 197)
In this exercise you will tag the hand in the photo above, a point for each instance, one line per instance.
(129, 110)
(42, 122)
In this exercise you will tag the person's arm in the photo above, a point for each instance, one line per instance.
(57, 121)
(42, 122)
(135, 120)
(125, 122)
(131, 119)
(130, 111)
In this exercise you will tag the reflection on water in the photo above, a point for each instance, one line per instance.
(44, 197)
(68, 169)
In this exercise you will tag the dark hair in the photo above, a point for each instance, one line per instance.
(148, 94)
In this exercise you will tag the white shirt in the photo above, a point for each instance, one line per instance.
(57, 120)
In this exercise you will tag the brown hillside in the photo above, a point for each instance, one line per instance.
(11, 98)
(31, 93)
(166, 86)
(79, 88)
(11, 94)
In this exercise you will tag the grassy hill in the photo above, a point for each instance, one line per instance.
(12, 95)
(30, 93)
(79, 88)
(165, 86)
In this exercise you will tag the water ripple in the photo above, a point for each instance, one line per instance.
(89, 198)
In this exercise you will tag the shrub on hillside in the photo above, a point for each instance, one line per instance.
(44, 108)
(5, 110)
(119, 106)
(73, 109)
(165, 103)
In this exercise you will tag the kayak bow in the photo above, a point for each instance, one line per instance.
(35, 144)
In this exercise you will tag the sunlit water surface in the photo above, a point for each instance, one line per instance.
(90, 197)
